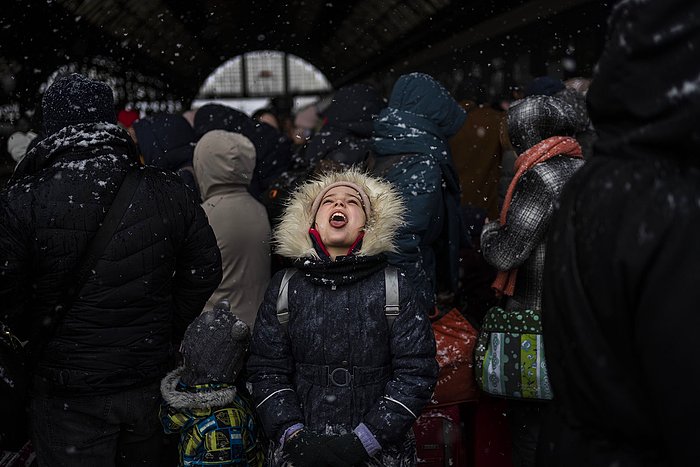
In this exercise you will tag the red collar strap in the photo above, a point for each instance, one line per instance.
(317, 238)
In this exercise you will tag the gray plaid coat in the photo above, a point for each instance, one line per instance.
(520, 243)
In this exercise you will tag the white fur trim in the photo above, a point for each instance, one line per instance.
(291, 237)
(193, 400)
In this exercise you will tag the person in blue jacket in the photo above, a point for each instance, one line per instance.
(412, 152)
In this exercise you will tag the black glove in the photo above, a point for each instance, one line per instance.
(349, 448)
(305, 448)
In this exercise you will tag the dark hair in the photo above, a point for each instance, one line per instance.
(260, 112)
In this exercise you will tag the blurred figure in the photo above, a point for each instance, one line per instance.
(223, 164)
(266, 116)
(17, 144)
(575, 95)
(167, 141)
(413, 154)
(544, 86)
(205, 400)
(578, 84)
(306, 123)
(189, 116)
(127, 117)
(477, 150)
(273, 151)
(540, 129)
(95, 393)
(346, 136)
(623, 258)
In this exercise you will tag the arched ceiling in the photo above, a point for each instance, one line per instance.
(182, 42)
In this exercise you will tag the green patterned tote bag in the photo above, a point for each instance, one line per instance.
(509, 355)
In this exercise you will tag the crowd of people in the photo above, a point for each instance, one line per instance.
(262, 302)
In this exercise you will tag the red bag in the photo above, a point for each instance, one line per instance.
(455, 339)
(439, 438)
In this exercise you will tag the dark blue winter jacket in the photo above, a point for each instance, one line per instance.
(339, 364)
(167, 141)
(412, 152)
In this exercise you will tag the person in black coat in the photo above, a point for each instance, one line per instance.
(346, 136)
(273, 151)
(340, 383)
(623, 257)
(167, 141)
(96, 387)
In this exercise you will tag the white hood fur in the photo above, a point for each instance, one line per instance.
(291, 237)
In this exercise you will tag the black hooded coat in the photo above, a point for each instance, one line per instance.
(621, 300)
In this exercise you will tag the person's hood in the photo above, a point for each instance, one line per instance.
(165, 140)
(353, 108)
(220, 117)
(645, 95)
(421, 95)
(420, 118)
(291, 237)
(536, 118)
(223, 162)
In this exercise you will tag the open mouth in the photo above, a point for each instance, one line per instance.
(338, 220)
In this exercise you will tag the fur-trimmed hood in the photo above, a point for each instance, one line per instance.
(291, 237)
(183, 400)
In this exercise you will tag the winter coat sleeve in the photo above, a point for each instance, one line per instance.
(271, 366)
(198, 271)
(420, 185)
(14, 259)
(508, 246)
(414, 373)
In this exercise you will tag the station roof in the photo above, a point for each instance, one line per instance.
(182, 42)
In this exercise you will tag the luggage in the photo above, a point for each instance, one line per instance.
(439, 438)
(455, 338)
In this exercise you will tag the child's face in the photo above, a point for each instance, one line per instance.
(340, 219)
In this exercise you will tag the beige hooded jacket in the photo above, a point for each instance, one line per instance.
(223, 164)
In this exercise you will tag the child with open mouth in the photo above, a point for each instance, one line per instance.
(339, 372)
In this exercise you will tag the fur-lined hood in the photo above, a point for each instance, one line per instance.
(183, 400)
(291, 237)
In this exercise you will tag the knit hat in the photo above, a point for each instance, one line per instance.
(366, 206)
(214, 347)
(76, 99)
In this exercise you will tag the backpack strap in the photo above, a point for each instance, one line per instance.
(391, 284)
(283, 298)
(391, 307)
